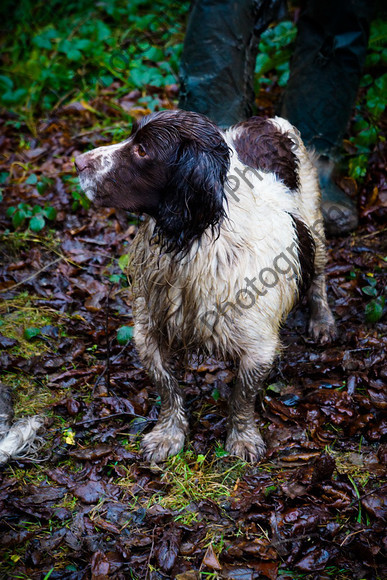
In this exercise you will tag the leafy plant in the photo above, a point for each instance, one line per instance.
(121, 277)
(34, 216)
(31, 332)
(123, 262)
(371, 107)
(3, 178)
(79, 198)
(375, 308)
(124, 334)
(74, 50)
(274, 52)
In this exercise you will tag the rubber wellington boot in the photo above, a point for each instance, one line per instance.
(339, 211)
(219, 54)
(324, 78)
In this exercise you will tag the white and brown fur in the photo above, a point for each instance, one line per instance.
(199, 244)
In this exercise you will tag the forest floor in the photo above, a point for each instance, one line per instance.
(87, 506)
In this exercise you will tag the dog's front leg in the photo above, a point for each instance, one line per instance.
(244, 439)
(167, 437)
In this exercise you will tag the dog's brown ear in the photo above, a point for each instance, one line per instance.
(194, 199)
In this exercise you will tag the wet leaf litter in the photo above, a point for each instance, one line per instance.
(90, 507)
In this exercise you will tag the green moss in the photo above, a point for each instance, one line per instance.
(20, 314)
(30, 398)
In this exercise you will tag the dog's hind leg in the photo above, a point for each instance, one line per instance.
(167, 437)
(322, 327)
(244, 439)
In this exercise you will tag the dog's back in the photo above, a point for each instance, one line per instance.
(233, 290)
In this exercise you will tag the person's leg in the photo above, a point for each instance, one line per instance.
(325, 73)
(218, 61)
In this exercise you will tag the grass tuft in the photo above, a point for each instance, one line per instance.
(192, 478)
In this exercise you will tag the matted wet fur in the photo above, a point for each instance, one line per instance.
(234, 234)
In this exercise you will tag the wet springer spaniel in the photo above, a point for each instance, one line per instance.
(234, 235)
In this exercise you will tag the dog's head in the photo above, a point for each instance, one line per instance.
(172, 167)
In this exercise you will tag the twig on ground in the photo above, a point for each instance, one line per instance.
(31, 277)
(122, 413)
(376, 233)
(150, 554)
(112, 361)
(358, 499)
(107, 339)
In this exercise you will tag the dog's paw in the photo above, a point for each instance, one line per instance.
(322, 329)
(159, 444)
(247, 445)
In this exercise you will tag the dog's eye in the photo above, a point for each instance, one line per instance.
(141, 151)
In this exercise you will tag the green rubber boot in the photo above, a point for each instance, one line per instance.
(324, 78)
(339, 211)
(219, 54)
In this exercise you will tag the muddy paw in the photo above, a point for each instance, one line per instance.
(323, 330)
(246, 445)
(159, 444)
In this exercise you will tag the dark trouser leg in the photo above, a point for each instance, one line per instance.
(326, 69)
(325, 73)
(218, 61)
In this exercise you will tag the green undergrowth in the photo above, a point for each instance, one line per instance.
(275, 50)
(76, 51)
(31, 397)
(12, 243)
(41, 528)
(273, 66)
(192, 478)
(18, 317)
(28, 326)
(188, 479)
(35, 474)
(60, 52)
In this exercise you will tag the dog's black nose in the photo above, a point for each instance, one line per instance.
(81, 162)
